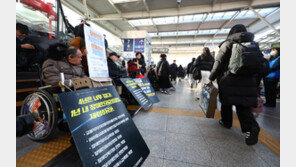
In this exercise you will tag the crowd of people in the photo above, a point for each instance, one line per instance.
(239, 88)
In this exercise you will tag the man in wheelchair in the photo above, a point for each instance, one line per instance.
(62, 60)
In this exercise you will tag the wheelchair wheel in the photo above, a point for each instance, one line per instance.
(42, 105)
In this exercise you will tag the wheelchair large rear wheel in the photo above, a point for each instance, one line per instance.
(42, 105)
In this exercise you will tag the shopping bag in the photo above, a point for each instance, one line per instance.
(259, 107)
(208, 100)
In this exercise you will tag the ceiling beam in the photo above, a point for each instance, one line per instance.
(104, 24)
(120, 14)
(147, 9)
(200, 24)
(264, 20)
(222, 6)
(258, 20)
(86, 9)
(224, 25)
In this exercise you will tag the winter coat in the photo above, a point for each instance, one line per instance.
(274, 68)
(189, 68)
(115, 71)
(234, 89)
(165, 70)
(51, 70)
(203, 64)
(180, 72)
(174, 69)
(143, 68)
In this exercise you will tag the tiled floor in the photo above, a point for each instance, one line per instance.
(187, 141)
(181, 141)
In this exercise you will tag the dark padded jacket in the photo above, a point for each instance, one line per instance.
(115, 72)
(203, 64)
(165, 68)
(234, 89)
(174, 69)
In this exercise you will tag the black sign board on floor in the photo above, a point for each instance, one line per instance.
(103, 130)
(145, 85)
(137, 92)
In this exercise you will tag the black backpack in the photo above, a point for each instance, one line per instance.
(247, 59)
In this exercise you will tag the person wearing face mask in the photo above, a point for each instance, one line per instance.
(272, 79)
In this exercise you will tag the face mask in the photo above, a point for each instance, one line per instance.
(272, 53)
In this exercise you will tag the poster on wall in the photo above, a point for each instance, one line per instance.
(96, 54)
(103, 131)
(128, 45)
(139, 45)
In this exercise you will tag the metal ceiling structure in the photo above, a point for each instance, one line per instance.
(190, 23)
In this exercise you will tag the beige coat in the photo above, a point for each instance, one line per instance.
(51, 70)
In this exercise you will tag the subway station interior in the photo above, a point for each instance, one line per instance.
(84, 96)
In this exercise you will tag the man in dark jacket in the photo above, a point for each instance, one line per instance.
(189, 72)
(237, 90)
(115, 69)
(174, 70)
(26, 54)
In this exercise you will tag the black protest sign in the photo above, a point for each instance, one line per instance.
(145, 85)
(137, 92)
(103, 130)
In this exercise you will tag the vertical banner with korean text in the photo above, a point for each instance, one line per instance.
(96, 54)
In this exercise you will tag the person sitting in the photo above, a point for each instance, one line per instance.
(79, 42)
(116, 71)
(62, 60)
(132, 68)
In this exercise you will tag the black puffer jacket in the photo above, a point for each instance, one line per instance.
(115, 72)
(203, 64)
(174, 69)
(165, 68)
(233, 89)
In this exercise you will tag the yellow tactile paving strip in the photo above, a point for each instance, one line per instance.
(265, 138)
(45, 153)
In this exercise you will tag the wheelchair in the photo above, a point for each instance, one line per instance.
(43, 104)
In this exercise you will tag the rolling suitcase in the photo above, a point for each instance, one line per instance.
(208, 100)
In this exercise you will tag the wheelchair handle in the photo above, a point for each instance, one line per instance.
(62, 76)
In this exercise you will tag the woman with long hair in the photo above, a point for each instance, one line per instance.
(141, 62)
(163, 73)
(204, 64)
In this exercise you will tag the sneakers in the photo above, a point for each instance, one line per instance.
(225, 126)
(252, 136)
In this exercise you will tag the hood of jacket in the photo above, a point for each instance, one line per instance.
(240, 37)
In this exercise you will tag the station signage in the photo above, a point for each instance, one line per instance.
(103, 131)
(160, 50)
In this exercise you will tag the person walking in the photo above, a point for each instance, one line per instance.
(174, 70)
(234, 89)
(189, 72)
(180, 72)
(163, 73)
(272, 79)
(204, 64)
(141, 63)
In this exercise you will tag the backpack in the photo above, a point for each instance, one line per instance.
(246, 59)
(196, 73)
